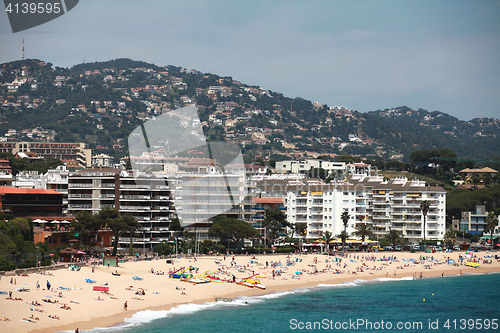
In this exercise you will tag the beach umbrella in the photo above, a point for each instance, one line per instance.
(51, 254)
(40, 221)
(65, 221)
(81, 252)
(55, 221)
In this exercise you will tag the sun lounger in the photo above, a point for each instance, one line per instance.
(136, 278)
(89, 281)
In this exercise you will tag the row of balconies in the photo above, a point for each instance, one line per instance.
(148, 208)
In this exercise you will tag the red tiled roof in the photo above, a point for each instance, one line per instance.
(15, 190)
(267, 200)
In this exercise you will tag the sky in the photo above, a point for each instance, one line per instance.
(365, 55)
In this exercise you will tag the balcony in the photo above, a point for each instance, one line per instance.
(85, 196)
(134, 197)
(76, 185)
(107, 185)
(79, 206)
(135, 208)
(135, 187)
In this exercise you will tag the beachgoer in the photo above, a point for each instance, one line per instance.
(48, 285)
(76, 331)
(37, 285)
(125, 306)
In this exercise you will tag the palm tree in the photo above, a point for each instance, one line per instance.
(475, 179)
(487, 179)
(301, 230)
(491, 224)
(363, 230)
(425, 205)
(345, 219)
(449, 238)
(343, 235)
(327, 236)
(394, 237)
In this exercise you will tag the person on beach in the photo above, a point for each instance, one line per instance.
(48, 285)
(125, 306)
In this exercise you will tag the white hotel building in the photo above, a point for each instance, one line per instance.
(384, 205)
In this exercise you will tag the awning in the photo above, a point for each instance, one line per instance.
(488, 237)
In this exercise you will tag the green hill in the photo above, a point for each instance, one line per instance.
(101, 103)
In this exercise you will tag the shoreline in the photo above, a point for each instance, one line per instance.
(161, 293)
(119, 319)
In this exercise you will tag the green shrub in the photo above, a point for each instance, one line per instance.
(163, 249)
(5, 265)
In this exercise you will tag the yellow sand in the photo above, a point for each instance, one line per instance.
(161, 292)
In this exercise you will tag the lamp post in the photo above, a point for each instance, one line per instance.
(36, 257)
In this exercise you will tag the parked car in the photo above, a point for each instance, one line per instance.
(388, 248)
(398, 248)
(415, 247)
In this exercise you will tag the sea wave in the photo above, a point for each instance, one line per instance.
(146, 316)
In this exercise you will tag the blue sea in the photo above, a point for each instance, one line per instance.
(441, 304)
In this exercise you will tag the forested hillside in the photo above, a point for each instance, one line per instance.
(101, 103)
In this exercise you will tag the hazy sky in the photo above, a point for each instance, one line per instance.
(366, 55)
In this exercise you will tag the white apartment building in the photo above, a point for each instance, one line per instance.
(384, 205)
(102, 160)
(304, 166)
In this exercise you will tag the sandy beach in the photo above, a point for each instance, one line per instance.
(72, 303)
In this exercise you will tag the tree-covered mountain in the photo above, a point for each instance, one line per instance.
(101, 103)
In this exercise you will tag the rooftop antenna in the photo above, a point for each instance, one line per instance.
(23, 50)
